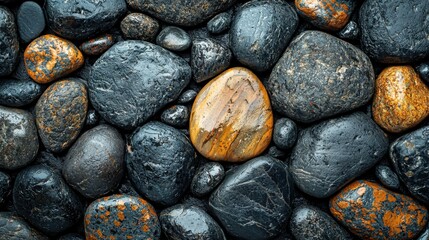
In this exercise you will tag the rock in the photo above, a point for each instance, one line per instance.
(423, 71)
(308, 222)
(117, 216)
(98, 45)
(373, 212)
(189, 222)
(219, 23)
(285, 133)
(82, 19)
(50, 160)
(320, 76)
(207, 178)
(182, 12)
(208, 59)
(332, 153)
(94, 165)
(187, 96)
(174, 39)
(161, 162)
(5, 187)
(18, 93)
(51, 206)
(64, 58)
(176, 116)
(244, 120)
(135, 90)
(18, 138)
(13, 227)
(387, 177)
(9, 45)
(261, 31)
(92, 118)
(139, 26)
(31, 21)
(395, 31)
(350, 31)
(254, 200)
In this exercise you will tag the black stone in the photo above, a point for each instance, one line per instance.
(219, 23)
(423, 70)
(254, 200)
(5, 186)
(187, 96)
(285, 133)
(160, 162)
(319, 76)
(71, 236)
(126, 86)
(13, 227)
(92, 118)
(350, 31)
(176, 116)
(387, 177)
(31, 21)
(9, 45)
(261, 31)
(207, 178)
(174, 39)
(332, 153)
(18, 93)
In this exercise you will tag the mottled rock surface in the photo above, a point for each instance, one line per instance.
(9, 45)
(13, 227)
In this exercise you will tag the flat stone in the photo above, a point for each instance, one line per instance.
(139, 26)
(176, 116)
(207, 178)
(285, 133)
(18, 93)
(174, 39)
(387, 177)
(31, 21)
(98, 45)
(9, 45)
(219, 23)
(13, 227)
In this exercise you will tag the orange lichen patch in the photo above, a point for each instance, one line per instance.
(121, 215)
(231, 119)
(117, 223)
(145, 228)
(401, 99)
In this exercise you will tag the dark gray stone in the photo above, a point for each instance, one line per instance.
(387, 177)
(31, 21)
(219, 23)
(13, 227)
(207, 178)
(9, 45)
(176, 116)
(18, 93)
(187, 96)
(285, 133)
(350, 31)
(174, 39)
(5, 186)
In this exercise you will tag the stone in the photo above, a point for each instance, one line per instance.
(135, 90)
(97, 46)
(48, 58)
(254, 200)
(161, 162)
(400, 99)
(9, 45)
(82, 19)
(140, 26)
(92, 118)
(31, 21)
(423, 71)
(320, 76)
(51, 206)
(387, 177)
(350, 31)
(285, 133)
(176, 116)
(231, 118)
(332, 153)
(13, 227)
(208, 59)
(257, 41)
(219, 23)
(394, 31)
(187, 96)
(372, 212)
(19, 93)
(18, 138)
(174, 39)
(117, 216)
(5, 186)
(94, 165)
(61, 113)
(189, 222)
(207, 178)
(424, 235)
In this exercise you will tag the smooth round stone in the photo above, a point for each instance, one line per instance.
(9, 45)
(18, 138)
(81, 19)
(260, 32)
(254, 200)
(189, 222)
(92, 118)
(176, 116)
(332, 153)
(117, 216)
(285, 133)
(207, 178)
(13, 227)
(350, 31)
(231, 119)
(187, 96)
(126, 86)
(395, 31)
(400, 100)
(71, 236)
(31, 21)
(320, 76)
(208, 59)
(372, 212)
(63, 58)
(139, 26)
(219, 23)
(5, 186)
(160, 162)
(51, 205)
(98, 45)
(308, 222)
(18, 93)
(174, 39)
(94, 165)
(423, 71)
(387, 177)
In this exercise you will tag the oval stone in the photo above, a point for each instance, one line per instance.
(31, 21)
(231, 118)
(18, 93)
(285, 133)
(98, 45)
(373, 212)
(219, 23)
(176, 116)
(139, 26)
(387, 177)
(206, 179)
(9, 45)
(174, 39)
(13, 227)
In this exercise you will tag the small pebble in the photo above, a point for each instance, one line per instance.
(207, 178)
(274, 152)
(71, 236)
(92, 118)
(174, 39)
(219, 23)
(139, 26)
(285, 133)
(31, 21)
(187, 96)
(350, 31)
(19, 93)
(97, 46)
(176, 116)
(387, 177)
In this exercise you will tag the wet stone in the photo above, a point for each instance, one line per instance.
(174, 39)
(372, 212)
(13, 227)
(31, 21)
(423, 71)
(98, 45)
(207, 178)
(219, 23)
(176, 116)
(117, 216)
(92, 118)
(285, 133)
(9, 45)
(19, 93)
(387, 177)
(350, 31)
(5, 186)
(139, 26)
(187, 96)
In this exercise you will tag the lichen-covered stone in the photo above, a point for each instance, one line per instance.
(13, 227)
(139, 26)
(18, 93)
(9, 45)
(98, 45)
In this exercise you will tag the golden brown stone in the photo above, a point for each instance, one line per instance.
(401, 99)
(231, 118)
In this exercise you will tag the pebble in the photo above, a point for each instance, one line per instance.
(387, 177)
(140, 26)
(231, 119)
(64, 58)
(219, 23)
(372, 212)
(18, 138)
(120, 216)
(174, 39)
(92, 118)
(187, 96)
(13, 227)
(400, 100)
(285, 133)
(5, 186)
(31, 21)
(320, 76)
(135, 90)
(9, 45)
(61, 113)
(350, 31)
(332, 153)
(258, 41)
(19, 93)
(97, 46)
(176, 116)
(423, 71)
(207, 178)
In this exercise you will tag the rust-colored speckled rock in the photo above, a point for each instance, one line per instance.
(373, 212)
(61, 113)
(231, 118)
(401, 99)
(49, 57)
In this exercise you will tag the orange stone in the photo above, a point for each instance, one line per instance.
(231, 119)
(401, 99)
(49, 57)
